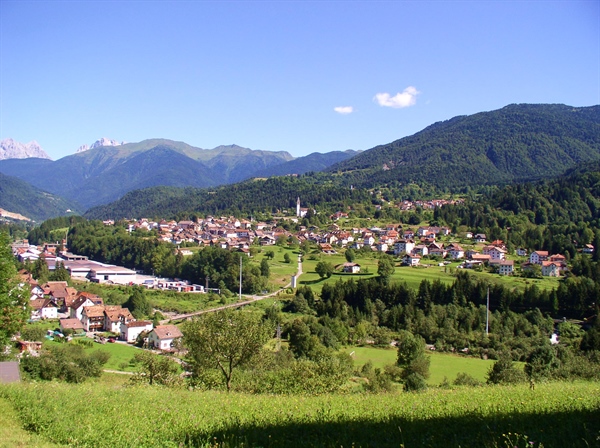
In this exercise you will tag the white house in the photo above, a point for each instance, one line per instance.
(420, 250)
(163, 336)
(43, 309)
(506, 267)
(404, 245)
(114, 315)
(538, 256)
(131, 330)
(77, 306)
(412, 260)
(455, 251)
(494, 252)
(550, 269)
(352, 268)
(382, 247)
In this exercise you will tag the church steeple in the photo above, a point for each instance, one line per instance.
(298, 207)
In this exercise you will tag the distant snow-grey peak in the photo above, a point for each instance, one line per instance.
(11, 149)
(98, 143)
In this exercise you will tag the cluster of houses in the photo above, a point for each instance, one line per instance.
(79, 311)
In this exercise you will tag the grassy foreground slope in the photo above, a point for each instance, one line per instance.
(93, 415)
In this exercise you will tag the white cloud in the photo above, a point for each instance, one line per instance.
(344, 110)
(405, 99)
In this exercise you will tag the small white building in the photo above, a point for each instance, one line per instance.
(163, 336)
(412, 260)
(352, 268)
(131, 330)
(43, 309)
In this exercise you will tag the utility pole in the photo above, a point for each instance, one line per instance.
(240, 278)
(487, 313)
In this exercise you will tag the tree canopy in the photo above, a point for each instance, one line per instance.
(14, 299)
(224, 340)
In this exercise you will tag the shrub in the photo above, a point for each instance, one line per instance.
(414, 383)
(464, 379)
(419, 365)
(33, 333)
(378, 381)
(504, 372)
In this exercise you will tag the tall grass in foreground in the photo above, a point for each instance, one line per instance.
(95, 415)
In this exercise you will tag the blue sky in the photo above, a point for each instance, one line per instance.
(296, 76)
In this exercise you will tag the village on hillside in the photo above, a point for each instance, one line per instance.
(80, 312)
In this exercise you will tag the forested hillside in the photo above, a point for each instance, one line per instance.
(17, 196)
(520, 142)
(258, 196)
(556, 215)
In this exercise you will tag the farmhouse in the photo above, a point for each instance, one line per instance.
(352, 268)
(538, 256)
(550, 269)
(506, 267)
(163, 336)
(43, 309)
(131, 330)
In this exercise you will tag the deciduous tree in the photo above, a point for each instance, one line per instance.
(224, 340)
(154, 369)
(14, 299)
(324, 269)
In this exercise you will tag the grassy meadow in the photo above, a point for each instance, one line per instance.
(120, 354)
(443, 365)
(100, 415)
(411, 275)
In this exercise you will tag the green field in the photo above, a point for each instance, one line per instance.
(412, 276)
(120, 354)
(97, 415)
(443, 365)
(280, 271)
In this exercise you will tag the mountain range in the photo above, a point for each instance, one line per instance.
(102, 174)
(18, 196)
(11, 149)
(518, 143)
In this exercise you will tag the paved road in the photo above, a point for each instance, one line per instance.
(252, 299)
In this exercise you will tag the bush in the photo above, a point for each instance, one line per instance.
(419, 365)
(464, 379)
(394, 372)
(33, 333)
(68, 362)
(378, 381)
(414, 383)
(504, 372)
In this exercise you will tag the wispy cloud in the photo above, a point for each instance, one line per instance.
(405, 99)
(344, 110)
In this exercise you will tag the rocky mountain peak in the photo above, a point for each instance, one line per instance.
(99, 143)
(11, 149)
